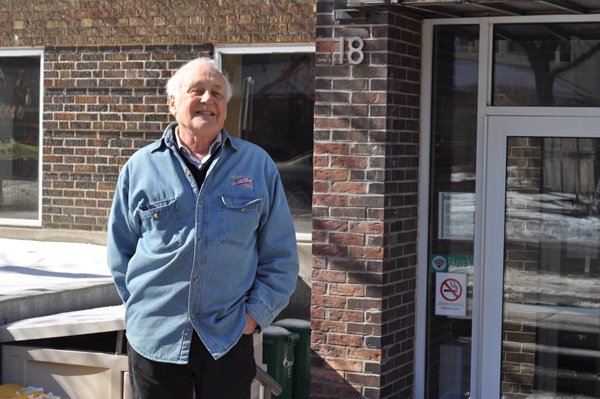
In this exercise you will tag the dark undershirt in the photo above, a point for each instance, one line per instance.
(200, 173)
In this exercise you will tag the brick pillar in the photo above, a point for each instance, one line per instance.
(367, 136)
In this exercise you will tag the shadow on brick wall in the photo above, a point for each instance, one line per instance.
(329, 383)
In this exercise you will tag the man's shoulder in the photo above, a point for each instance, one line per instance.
(160, 143)
(142, 157)
(247, 146)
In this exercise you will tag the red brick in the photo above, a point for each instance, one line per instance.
(367, 227)
(346, 239)
(366, 329)
(367, 253)
(348, 162)
(345, 339)
(328, 301)
(345, 365)
(329, 250)
(346, 290)
(326, 325)
(327, 276)
(346, 187)
(329, 350)
(348, 264)
(364, 304)
(330, 174)
(318, 262)
(318, 337)
(329, 199)
(348, 213)
(320, 187)
(331, 148)
(346, 315)
(364, 354)
(317, 313)
(363, 379)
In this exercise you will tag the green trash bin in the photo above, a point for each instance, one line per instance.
(278, 355)
(301, 380)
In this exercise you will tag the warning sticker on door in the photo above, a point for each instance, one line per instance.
(450, 294)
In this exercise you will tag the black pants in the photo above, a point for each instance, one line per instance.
(229, 377)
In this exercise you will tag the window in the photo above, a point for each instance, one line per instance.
(20, 137)
(273, 107)
(553, 65)
(452, 205)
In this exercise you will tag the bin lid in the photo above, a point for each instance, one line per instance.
(89, 321)
(293, 324)
(275, 333)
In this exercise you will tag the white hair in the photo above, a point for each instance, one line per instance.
(176, 81)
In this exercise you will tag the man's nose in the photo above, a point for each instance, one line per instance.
(207, 97)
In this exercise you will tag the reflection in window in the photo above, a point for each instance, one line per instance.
(452, 205)
(19, 139)
(551, 325)
(273, 106)
(547, 65)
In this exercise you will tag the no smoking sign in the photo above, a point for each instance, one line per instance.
(450, 297)
(451, 290)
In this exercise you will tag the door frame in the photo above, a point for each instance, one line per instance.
(499, 129)
(485, 145)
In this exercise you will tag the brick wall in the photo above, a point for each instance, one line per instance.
(365, 207)
(106, 63)
(100, 106)
(135, 22)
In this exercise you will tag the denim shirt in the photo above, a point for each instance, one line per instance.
(188, 258)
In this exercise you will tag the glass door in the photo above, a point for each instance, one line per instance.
(541, 260)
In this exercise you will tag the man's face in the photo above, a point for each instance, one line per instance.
(200, 106)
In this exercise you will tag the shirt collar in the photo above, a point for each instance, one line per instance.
(168, 138)
(186, 153)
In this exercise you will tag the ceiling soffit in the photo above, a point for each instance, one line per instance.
(480, 8)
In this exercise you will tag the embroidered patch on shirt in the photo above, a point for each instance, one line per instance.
(242, 181)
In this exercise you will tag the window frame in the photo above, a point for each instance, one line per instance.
(484, 111)
(221, 50)
(31, 52)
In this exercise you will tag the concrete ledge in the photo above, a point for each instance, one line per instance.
(39, 234)
(25, 306)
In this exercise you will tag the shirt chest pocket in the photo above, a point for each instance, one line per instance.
(238, 219)
(161, 225)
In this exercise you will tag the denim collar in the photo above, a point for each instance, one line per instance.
(168, 139)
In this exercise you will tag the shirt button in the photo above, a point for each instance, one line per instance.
(192, 317)
(156, 215)
(243, 209)
(187, 172)
(199, 205)
(195, 279)
(199, 240)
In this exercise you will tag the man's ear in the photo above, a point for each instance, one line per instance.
(172, 105)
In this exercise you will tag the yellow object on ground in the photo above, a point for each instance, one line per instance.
(16, 391)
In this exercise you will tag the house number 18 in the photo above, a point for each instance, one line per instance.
(355, 50)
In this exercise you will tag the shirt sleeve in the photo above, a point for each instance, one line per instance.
(277, 271)
(123, 235)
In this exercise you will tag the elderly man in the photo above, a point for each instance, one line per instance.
(201, 247)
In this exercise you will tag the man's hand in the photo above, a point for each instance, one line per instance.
(251, 324)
